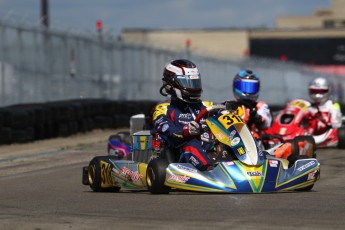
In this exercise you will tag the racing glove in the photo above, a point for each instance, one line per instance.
(191, 130)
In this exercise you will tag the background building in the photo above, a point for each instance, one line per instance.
(317, 40)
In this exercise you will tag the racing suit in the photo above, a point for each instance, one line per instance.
(171, 128)
(328, 115)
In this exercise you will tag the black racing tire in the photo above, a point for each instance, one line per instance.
(310, 187)
(341, 137)
(155, 176)
(95, 177)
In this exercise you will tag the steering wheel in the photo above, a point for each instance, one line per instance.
(206, 112)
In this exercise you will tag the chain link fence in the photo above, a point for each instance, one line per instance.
(39, 65)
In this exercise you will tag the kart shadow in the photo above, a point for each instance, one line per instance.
(177, 192)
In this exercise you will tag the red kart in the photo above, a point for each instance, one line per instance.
(294, 120)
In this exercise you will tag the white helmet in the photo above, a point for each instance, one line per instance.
(319, 90)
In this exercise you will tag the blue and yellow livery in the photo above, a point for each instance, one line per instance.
(249, 170)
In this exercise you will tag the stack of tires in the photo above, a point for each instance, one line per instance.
(28, 122)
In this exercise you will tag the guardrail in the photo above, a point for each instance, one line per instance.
(28, 122)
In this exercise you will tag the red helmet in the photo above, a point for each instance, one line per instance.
(181, 80)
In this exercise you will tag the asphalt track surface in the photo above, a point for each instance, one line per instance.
(42, 189)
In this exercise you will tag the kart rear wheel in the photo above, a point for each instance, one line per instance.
(155, 176)
(95, 177)
(341, 137)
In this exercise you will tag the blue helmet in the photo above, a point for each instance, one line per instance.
(246, 86)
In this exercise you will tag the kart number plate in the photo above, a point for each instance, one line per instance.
(228, 120)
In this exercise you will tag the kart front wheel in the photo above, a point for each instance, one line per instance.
(94, 176)
(155, 176)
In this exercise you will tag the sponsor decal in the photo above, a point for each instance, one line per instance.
(257, 173)
(159, 120)
(185, 116)
(229, 163)
(259, 150)
(194, 161)
(178, 135)
(206, 135)
(232, 134)
(165, 127)
(311, 176)
(184, 168)
(273, 163)
(235, 141)
(241, 151)
(132, 176)
(184, 122)
(299, 104)
(161, 124)
(191, 71)
(258, 147)
(282, 131)
(194, 77)
(178, 178)
(303, 167)
(220, 136)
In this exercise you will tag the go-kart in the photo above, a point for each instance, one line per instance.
(294, 120)
(240, 165)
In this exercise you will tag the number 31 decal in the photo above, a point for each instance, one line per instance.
(230, 119)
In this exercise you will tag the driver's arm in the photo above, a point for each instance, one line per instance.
(336, 116)
(168, 131)
(265, 114)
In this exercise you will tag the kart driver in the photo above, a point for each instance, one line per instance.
(257, 115)
(176, 126)
(327, 112)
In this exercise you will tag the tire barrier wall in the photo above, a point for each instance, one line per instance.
(23, 123)
(28, 122)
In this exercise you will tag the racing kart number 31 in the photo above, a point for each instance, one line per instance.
(230, 119)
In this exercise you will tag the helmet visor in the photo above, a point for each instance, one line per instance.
(248, 86)
(318, 91)
(189, 81)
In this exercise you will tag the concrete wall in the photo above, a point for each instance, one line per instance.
(222, 43)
